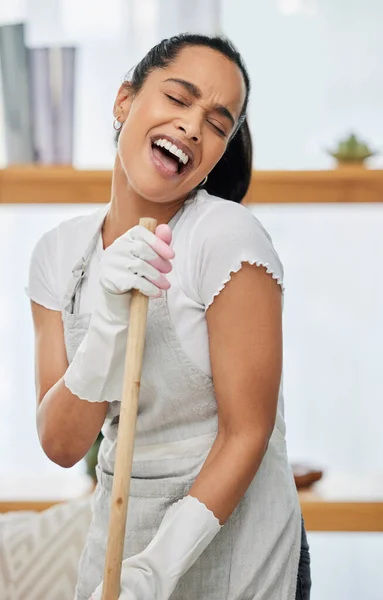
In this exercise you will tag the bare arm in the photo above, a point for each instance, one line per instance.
(67, 426)
(245, 337)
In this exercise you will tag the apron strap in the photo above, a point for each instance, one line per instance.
(72, 296)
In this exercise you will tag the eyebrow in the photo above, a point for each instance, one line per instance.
(196, 92)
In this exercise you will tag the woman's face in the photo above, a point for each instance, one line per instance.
(177, 127)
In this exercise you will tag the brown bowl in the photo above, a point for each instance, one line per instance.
(305, 475)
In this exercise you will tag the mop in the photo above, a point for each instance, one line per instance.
(125, 438)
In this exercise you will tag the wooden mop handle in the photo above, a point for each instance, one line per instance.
(125, 438)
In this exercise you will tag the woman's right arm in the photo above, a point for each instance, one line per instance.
(73, 400)
(67, 426)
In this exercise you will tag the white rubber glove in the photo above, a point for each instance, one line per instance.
(186, 530)
(136, 260)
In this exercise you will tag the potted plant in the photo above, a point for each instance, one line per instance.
(351, 152)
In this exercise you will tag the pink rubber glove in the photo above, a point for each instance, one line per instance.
(164, 233)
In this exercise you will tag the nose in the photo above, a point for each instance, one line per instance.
(190, 127)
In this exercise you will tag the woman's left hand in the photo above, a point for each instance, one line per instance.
(185, 531)
(134, 586)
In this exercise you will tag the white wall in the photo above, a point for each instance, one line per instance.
(315, 66)
(316, 69)
(332, 325)
(20, 228)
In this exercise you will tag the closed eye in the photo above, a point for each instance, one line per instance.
(175, 100)
(217, 129)
(180, 103)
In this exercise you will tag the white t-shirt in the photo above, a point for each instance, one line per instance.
(212, 239)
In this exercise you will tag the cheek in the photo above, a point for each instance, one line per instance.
(129, 151)
(143, 118)
(149, 112)
(125, 146)
(133, 135)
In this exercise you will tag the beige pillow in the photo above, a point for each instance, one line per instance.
(40, 552)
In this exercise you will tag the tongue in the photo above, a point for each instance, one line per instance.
(169, 163)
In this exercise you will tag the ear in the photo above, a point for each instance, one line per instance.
(123, 102)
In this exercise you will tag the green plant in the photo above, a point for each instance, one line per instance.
(91, 458)
(352, 150)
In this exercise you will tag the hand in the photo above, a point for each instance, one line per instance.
(135, 585)
(186, 530)
(136, 260)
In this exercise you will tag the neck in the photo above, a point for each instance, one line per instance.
(127, 207)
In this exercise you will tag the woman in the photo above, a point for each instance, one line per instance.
(213, 510)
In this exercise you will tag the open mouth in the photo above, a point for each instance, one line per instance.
(172, 158)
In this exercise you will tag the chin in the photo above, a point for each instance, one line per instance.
(155, 189)
(153, 192)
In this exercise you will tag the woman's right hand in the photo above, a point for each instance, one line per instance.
(138, 260)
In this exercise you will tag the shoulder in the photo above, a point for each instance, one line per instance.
(221, 226)
(55, 255)
(212, 217)
(217, 238)
(70, 237)
(78, 231)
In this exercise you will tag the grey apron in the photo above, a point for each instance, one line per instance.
(255, 555)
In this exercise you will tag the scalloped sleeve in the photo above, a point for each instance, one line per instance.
(42, 281)
(229, 237)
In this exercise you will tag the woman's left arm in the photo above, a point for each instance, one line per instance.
(245, 332)
(245, 337)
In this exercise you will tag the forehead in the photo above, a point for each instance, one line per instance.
(219, 79)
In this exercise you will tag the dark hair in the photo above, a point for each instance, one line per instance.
(230, 178)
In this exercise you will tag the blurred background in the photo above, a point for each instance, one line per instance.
(317, 121)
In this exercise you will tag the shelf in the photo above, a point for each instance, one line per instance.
(343, 516)
(341, 502)
(54, 185)
(336, 503)
(63, 185)
(347, 185)
(37, 493)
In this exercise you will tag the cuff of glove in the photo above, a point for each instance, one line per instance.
(137, 589)
(186, 530)
(97, 375)
(96, 372)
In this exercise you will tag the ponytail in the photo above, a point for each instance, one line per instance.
(230, 178)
